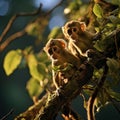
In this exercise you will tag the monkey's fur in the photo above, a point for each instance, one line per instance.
(79, 38)
(57, 50)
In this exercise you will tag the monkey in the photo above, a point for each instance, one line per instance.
(80, 40)
(57, 50)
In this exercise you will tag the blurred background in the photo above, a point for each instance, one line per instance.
(13, 93)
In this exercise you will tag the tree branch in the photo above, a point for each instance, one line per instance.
(10, 39)
(32, 111)
(114, 102)
(20, 33)
(55, 101)
(9, 113)
(50, 11)
(90, 107)
(67, 93)
(12, 20)
(69, 114)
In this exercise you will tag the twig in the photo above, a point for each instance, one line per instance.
(50, 11)
(113, 102)
(32, 111)
(11, 21)
(116, 44)
(9, 113)
(10, 39)
(69, 114)
(90, 108)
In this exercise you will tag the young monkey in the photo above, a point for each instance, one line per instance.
(56, 49)
(79, 38)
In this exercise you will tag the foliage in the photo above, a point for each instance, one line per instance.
(12, 61)
(107, 23)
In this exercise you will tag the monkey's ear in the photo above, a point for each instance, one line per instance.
(83, 26)
(45, 49)
(63, 43)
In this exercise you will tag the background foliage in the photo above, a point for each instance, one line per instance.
(25, 71)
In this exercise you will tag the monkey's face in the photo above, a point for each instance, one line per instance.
(53, 48)
(54, 52)
(73, 30)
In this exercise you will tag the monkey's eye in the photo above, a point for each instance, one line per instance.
(52, 43)
(69, 31)
(54, 49)
(74, 29)
(50, 51)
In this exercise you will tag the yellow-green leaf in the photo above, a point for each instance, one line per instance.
(98, 11)
(12, 61)
(54, 33)
(41, 68)
(34, 88)
(33, 67)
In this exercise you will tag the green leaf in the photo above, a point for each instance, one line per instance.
(115, 95)
(113, 64)
(12, 61)
(56, 68)
(54, 33)
(102, 97)
(41, 68)
(42, 57)
(115, 2)
(33, 67)
(114, 19)
(99, 45)
(98, 11)
(34, 88)
(31, 29)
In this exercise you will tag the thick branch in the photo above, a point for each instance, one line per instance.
(55, 102)
(67, 93)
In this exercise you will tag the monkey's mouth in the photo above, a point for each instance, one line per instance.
(54, 56)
